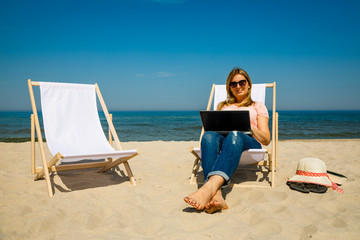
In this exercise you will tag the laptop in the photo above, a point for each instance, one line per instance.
(224, 122)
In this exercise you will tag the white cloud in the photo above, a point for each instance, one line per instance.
(164, 74)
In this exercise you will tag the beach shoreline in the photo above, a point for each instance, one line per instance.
(88, 205)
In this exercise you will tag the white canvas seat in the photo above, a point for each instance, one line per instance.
(73, 130)
(255, 157)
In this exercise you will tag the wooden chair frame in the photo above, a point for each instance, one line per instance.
(50, 166)
(268, 165)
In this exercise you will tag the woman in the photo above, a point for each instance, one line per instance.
(221, 155)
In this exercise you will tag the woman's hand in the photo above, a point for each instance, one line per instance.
(262, 134)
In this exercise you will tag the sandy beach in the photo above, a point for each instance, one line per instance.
(89, 205)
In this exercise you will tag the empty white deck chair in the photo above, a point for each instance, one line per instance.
(265, 158)
(73, 131)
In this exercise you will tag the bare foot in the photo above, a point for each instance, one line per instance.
(217, 203)
(203, 195)
(198, 199)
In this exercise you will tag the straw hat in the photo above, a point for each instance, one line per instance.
(311, 170)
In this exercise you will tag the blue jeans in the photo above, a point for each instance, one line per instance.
(221, 155)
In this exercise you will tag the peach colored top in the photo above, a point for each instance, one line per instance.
(257, 109)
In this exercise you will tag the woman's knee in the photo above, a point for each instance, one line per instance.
(209, 137)
(236, 137)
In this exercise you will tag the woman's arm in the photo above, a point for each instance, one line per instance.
(262, 134)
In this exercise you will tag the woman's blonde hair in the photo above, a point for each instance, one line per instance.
(230, 97)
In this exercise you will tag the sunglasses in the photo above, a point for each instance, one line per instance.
(241, 83)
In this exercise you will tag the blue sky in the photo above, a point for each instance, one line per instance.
(164, 55)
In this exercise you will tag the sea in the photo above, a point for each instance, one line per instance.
(186, 125)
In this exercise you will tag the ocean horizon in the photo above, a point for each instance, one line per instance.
(186, 125)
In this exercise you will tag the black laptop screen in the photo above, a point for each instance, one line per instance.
(226, 121)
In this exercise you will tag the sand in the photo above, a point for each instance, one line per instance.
(89, 205)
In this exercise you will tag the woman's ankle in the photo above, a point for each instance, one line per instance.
(214, 183)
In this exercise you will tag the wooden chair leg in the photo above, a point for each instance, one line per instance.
(130, 174)
(272, 170)
(33, 144)
(126, 164)
(52, 162)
